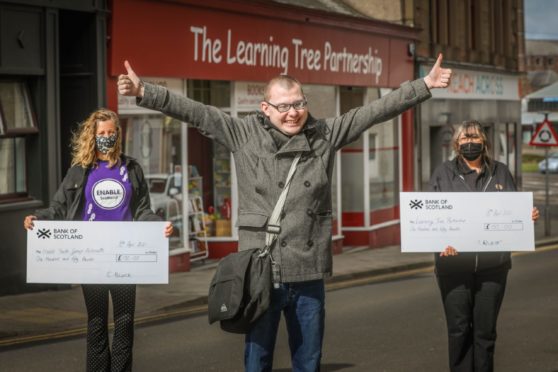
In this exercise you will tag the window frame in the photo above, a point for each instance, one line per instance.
(5, 131)
(21, 134)
(17, 196)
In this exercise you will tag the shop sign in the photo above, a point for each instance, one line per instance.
(127, 105)
(198, 43)
(467, 84)
(212, 46)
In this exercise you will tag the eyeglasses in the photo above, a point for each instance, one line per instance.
(284, 107)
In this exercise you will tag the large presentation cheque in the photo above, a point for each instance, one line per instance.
(81, 252)
(467, 221)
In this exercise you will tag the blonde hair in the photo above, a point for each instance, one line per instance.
(84, 151)
(472, 127)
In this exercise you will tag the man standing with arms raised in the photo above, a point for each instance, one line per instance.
(264, 145)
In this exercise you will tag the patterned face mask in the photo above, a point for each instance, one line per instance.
(104, 144)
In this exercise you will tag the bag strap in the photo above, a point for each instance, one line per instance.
(274, 223)
(273, 227)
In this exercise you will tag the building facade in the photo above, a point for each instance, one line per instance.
(52, 74)
(59, 61)
(483, 41)
(222, 53)
(541, 63)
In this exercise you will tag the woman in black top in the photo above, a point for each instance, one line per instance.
(472, 284)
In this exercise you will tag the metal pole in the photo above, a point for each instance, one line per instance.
(546, 192)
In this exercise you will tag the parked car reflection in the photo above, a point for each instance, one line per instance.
(165, 194)
(552, 164)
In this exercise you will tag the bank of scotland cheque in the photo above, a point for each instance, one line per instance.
(82, 252)
(467, 221)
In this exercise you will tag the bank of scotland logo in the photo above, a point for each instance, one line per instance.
(416, 204)
(43, 234)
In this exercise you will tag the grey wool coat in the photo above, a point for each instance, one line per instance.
(303, 247)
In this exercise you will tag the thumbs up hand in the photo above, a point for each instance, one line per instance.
(130, 84)
(438, 77)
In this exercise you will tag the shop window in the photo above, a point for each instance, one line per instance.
(352, 190)
(211, 92)
(383, 161)
(319, 99)
(155, 142)
(221, 212)
(383, 165)
(373, 138)
(12, 168)
(16, 115)
(17, 120)
(370, 165)
(216, 173)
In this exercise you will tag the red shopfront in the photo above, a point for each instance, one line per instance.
(222, 53)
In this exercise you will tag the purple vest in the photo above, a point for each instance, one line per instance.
(108, 192)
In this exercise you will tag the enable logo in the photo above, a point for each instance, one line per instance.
(108, 194)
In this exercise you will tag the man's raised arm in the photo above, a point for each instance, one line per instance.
(212, 122)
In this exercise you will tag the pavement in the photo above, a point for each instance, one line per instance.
(34, 317)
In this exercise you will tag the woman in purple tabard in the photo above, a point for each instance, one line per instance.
(103, 185)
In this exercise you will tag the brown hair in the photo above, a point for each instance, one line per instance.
(285, 81)
(83, 140)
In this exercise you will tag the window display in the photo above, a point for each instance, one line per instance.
(221, 190)
(218, 211)
(197, 218)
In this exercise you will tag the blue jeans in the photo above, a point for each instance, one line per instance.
(303, 306)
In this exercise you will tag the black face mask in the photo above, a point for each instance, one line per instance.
(471, 150)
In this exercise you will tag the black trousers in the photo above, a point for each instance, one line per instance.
(472, 302)
(99, 356)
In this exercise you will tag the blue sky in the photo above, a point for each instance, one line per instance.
(541, 19)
